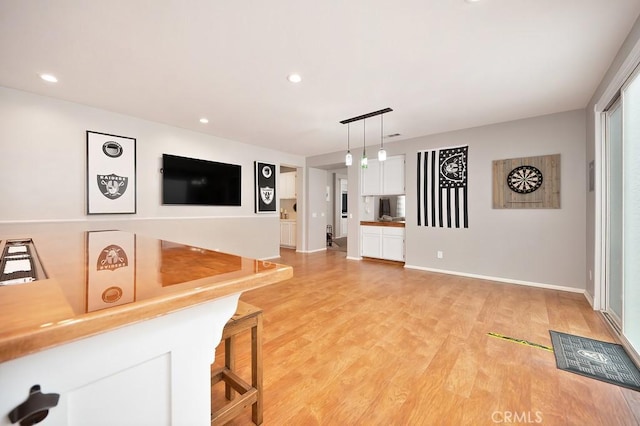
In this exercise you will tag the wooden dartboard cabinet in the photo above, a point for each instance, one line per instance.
(527, 183)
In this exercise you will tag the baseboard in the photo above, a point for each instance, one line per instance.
(353, 258)
(499, 279)
(589, 298)
(311, 251)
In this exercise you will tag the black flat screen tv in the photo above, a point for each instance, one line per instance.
(200, 182)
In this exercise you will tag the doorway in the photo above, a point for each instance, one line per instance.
(337, 208)
(342, 222)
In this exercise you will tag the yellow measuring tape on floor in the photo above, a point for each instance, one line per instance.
(522, 342)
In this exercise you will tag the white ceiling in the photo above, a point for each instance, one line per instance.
(440, 64)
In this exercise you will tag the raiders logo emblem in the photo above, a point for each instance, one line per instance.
(111, 258)
(266, 194)
(112, 186)
(593, 356)
(266, 171)
(453, 168)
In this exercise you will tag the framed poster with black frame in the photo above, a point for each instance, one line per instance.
(111, 174)
(265, 187)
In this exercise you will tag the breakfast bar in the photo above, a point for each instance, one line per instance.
(117, 328)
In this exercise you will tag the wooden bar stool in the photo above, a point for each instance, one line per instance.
(246, 317)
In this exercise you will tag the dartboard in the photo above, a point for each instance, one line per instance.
(524, 179)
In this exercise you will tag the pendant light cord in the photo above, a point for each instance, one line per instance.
(381, 126)
(364, 138)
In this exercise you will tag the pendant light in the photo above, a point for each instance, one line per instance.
(382, 154)
(363, 160)
(348, 159)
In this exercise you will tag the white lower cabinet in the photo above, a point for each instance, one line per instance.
(382, 242)
(393, 243)
(371, 241)
(288, 233)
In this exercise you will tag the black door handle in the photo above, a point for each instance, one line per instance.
(35, 408)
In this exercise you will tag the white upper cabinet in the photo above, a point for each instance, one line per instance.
(287, 185)
(384, 178)
(393, 175)
(371, 179)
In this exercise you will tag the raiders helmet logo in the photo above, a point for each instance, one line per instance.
(112, 294)
(111, 258)
(112, 149)
(266, 194)
(112, 186)
(266, 171)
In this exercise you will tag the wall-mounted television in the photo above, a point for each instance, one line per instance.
(200, 182)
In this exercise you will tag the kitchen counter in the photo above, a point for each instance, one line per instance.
(398, 224)
(115, 313)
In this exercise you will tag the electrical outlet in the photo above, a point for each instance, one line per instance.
(440, 256)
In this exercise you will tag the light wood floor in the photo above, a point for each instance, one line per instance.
(362, 343)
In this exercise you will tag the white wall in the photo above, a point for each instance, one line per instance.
(43, 168)
(531, 246)
(542, 246)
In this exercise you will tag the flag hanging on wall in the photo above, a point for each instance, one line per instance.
(442, 187)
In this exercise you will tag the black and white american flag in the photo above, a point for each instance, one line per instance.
(442, 188)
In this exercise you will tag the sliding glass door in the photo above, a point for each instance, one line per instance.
(622, 124)
(631, 211)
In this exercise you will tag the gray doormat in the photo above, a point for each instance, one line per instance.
(592, 358)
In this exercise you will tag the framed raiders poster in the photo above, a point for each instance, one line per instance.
(265, 191)
(111, 174)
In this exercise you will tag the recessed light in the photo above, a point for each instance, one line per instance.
(204, 120)
(472, 1)
(49, 77)
(294, 78)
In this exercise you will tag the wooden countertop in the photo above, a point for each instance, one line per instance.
(382, 223)
(98, 281)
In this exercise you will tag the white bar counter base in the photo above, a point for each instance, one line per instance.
(156, 372)
(143, 361)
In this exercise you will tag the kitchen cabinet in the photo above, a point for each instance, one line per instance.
(382, 242)
(288, 185)
(288, 233)
(384, 178)
(371, 238)
(371, 179)
(393, 243)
